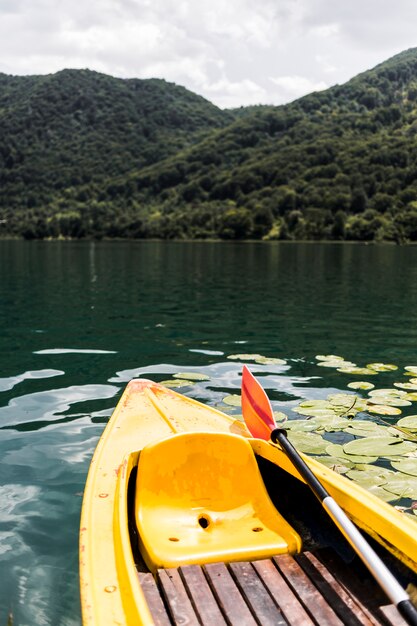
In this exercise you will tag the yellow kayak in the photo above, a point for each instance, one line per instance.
(187, 517)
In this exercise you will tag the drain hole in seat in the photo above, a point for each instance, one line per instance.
(204, 521)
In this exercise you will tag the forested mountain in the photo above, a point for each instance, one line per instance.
(83, 154)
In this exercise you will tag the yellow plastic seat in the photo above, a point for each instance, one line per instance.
(200, 498)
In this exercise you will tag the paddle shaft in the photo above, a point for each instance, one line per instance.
(378, 569)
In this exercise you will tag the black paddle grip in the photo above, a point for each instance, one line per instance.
(408, 611)
(279, 435)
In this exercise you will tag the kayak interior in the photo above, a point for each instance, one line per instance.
(324, 584)
(168, 522)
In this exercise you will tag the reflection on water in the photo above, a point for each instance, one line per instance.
(80, 319)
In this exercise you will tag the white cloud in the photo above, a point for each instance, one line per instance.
(292, 87)
(225, 51)
(227, 93)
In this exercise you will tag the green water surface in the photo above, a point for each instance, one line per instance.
(79, 319)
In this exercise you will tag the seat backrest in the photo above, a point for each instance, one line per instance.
(217, 470)
(200, 498)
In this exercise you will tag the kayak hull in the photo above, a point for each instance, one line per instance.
(121, 497)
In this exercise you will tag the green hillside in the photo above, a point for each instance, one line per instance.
(88, 155)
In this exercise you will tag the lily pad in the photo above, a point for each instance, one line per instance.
(336, 363)
(382, 494)
(310, 443)
(340, 466)
(412, 369)
(409, 422)
(232, 400)
(396, 393)
(192, 376)
(335, 449)
(389, 401)
(313, 412)
(279, 416)
(406, 466)
(403, 486)
(315, 404)
(375, 469)
(366, 479)
(301, 425)
(411, 396)
(383, 409)
(245, 357)
(363, 371)
(360, 384)
(409, 386)
(382, 367)
(265, 360)
(396, 431)
(176, 384)
(379, 446)
(329, 357)
(376, 431)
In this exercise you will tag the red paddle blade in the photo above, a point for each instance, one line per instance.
(256, 408)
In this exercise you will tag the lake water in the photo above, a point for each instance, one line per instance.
(79, 319)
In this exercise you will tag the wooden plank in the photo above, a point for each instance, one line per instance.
(228, 596)
(392, 615)
(256, 595)
(176, 597)
(201, 596)
(154, 600)
(358, 583)
(344, 604)
(290, 606)
(313, 601)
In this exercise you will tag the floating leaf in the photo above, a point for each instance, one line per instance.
(396, 431)
(313, 412)
(342, 399)
(279, 416)
(340, 466)
(377, 431)
(360, 384)
(412, 369)
(375, 469)
(310, 443)
(265, 360)
(413, 381)
(382, 494)
(336, 363)
(396, 393)
(382, 367)
(366, 479)
(336, 424)
(335, 449)
(301, 425)
(406, 466)
(389, 400)
(411, 396)
(382, 409)
(406, 386)
(409, 422)
(175, 384)
(232, 400)
(192, 376)
(245, 357)
(403, 486)
(363, 371)
(329, 357)
(379, 446)
(315, 404)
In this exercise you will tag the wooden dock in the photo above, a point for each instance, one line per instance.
(284, 590)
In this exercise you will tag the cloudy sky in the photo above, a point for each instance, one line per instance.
(233, 52)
